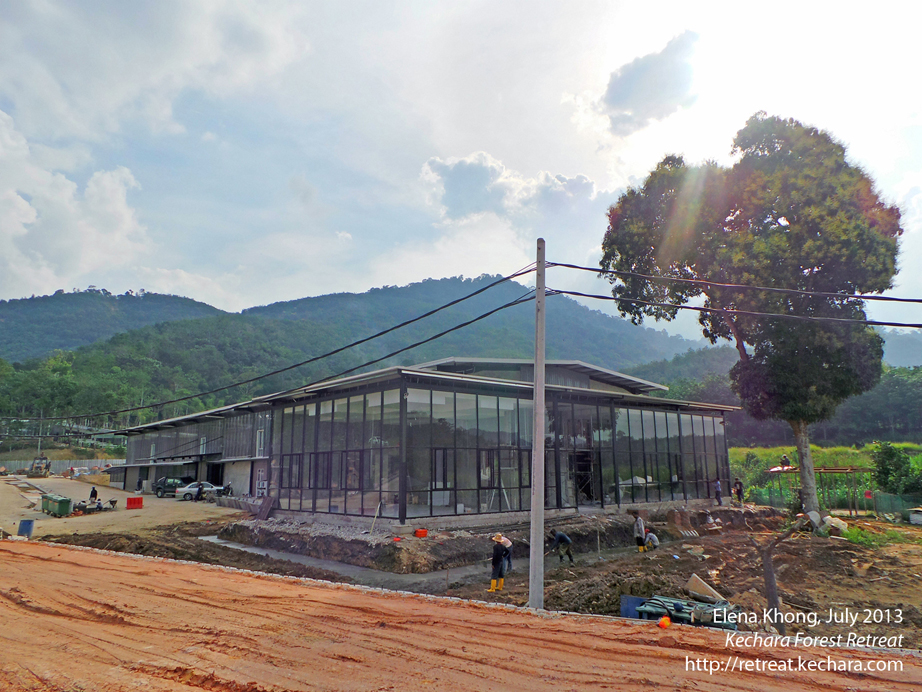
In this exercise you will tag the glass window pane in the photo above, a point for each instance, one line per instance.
(310, 426)
(326, 425)
(297, 430)
(418, 418)
(373, 409)
(604, 428)
(419, 466)
(583, 434)
(390, 475)
(285, 431)
(443, 419)
(466, 425)
(526, 422)
(508, 418)
(525, 466)
(356, 422)
(488, 422)
(340, 410)
(466, 468)
(391, 419)
(564, 424)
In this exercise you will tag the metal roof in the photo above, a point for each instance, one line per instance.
(640, 388)
(634, 385)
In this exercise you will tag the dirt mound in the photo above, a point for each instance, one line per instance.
(814, 575)
(409, 555)
(171, 544)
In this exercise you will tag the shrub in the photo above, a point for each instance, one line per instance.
(894, 471)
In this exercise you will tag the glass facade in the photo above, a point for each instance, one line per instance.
(470, 453)
(411, 446)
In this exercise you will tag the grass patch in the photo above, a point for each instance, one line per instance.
(822, 456)
(872, 539)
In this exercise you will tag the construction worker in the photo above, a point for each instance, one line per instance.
(651, 542)
(507, 544)
(562, 542)
(499, 564)
(639, 533)
(93, 494)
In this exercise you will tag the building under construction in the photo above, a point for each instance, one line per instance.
(446, 438)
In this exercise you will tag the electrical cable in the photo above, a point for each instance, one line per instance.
(518, 301)
(704, 282)
(525, 270)
(730, 311)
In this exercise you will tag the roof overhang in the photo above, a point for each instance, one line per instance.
(635, 385)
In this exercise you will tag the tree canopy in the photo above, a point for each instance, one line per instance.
(791, 213)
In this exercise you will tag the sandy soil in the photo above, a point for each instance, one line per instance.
(78, 619)
(156, 512)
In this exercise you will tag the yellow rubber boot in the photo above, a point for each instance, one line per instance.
(492, 585)
(640, 549)
(499, 585)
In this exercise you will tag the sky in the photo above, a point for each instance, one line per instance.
(243, 153)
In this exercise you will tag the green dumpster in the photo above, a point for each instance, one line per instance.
(61, 506)
(46, 502)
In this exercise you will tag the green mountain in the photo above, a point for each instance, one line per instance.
(174, 359)
(34, 327)
(903, 349)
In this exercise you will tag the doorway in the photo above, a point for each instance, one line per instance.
(586, 478)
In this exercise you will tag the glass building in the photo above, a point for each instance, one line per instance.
(453, 437)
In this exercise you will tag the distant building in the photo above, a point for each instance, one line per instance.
(450, 437)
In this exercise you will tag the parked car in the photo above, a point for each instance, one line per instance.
(164, 487)
(188, 492)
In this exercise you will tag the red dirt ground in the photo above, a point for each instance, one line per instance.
(77, 619)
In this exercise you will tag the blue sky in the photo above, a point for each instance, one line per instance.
(246, 153)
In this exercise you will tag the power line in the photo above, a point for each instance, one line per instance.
(704, 282)
(729, 311)
(525, 298)
(525, 270)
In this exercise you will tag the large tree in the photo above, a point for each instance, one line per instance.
(791, 213)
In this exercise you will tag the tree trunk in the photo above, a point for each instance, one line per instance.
(771, 588)
(768, 570)
(807, 474)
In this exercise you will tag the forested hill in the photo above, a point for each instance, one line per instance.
(34, 327)
(169, 360)
(573, 331)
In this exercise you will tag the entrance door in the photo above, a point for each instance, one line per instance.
(586, 482)
(214, 474)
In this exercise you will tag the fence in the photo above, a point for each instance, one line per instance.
(61, 465)
(885, 503)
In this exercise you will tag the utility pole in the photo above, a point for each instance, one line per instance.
(536, 554)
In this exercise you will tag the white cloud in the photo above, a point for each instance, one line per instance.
(482, 243)
(51, 232)
(78, 70)
(651, 87)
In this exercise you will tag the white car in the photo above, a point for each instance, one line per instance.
(188, 492)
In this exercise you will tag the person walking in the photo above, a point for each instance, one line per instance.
(562, 543)
(499, 564)
(717, 495)
(639, 533)
(93, 494)
(199, 492)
